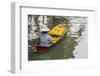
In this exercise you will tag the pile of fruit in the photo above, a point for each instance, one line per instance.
(56, 32)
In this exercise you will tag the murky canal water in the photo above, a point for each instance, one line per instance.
(62, 50)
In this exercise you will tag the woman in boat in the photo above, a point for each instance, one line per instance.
(45, 39)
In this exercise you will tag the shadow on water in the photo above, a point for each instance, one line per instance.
(62, 50)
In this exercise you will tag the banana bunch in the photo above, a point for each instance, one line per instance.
(57, 30)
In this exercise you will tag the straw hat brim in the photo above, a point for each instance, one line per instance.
(44, 29)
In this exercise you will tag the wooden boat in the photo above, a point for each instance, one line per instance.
(43, 49)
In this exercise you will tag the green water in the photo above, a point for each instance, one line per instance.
(62, 50)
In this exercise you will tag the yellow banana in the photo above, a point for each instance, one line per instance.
(57, 30)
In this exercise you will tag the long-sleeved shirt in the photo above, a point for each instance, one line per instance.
(45, 39)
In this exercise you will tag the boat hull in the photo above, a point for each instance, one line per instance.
(40, 49)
